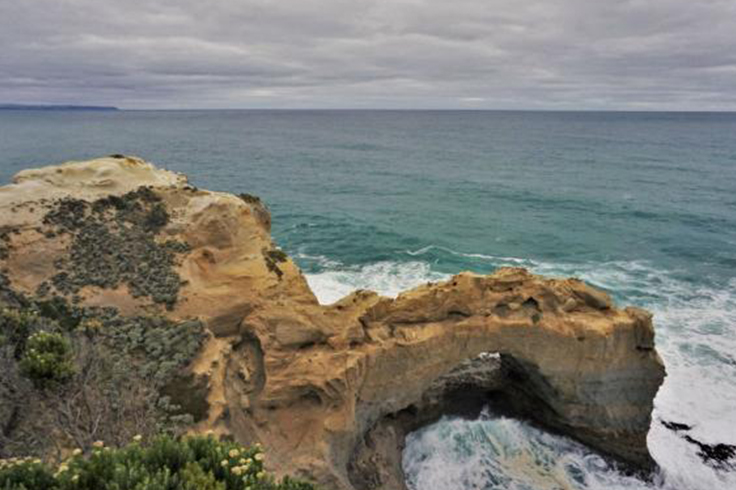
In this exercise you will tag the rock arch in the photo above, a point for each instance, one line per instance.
(568, 358)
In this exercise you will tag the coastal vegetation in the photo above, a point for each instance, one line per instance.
(113, 243)
(273, 258)
(161, 463)
(72, 376)
(75, 376)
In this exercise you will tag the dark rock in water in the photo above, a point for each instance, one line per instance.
(720, 456)
(676, 426)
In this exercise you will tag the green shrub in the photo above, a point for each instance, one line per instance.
(109, 377)
(273, 258)
(15, 328)
(25, 474)
(113, 241)
(47, 359)
(157, 217)
(190, 463)
(193, 477)
(249, 198)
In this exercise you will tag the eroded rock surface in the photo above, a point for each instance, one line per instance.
(318, 384)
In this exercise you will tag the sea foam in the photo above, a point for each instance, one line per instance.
(386, 278)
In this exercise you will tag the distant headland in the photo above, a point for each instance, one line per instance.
(42, 107)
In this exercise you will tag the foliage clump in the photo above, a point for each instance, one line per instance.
(163, 463)
(47, 359)
(249, 198)
(73, 375)
(9, 296)
(114, 242)
(15, 328)
(5, 232)
(160, 346)
(273, 258)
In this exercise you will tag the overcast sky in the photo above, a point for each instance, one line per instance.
(497, 54)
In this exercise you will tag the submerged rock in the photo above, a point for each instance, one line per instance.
(717, 455)
(330, 390)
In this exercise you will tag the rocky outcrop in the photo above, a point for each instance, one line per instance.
(325, 387)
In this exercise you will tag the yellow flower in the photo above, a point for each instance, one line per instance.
(237, 470)
(98, 444)
(259, 457)
(224, 463)
(137, 438)
(36, 461)
(234, 453)
(75, 478)
(77, 452)
(242, 461)
(260, 475)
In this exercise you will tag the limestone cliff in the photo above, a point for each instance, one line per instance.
(319, 385)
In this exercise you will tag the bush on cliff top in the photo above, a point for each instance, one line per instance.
(164, 463)
(47, 359)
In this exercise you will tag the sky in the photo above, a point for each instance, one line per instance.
(407, 54)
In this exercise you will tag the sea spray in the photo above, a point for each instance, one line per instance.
(495, 452)
(386, 278)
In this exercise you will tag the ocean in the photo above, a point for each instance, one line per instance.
(642, 205)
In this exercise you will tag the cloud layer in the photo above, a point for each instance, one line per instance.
(504, 54)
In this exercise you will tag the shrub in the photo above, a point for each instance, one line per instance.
(250, 198)
(15, 328)
(193, 477)
(273, 258)
(190, 463)
(156, 218)
(47, 359)
(113, 241)
(25, 473)
(110, 377)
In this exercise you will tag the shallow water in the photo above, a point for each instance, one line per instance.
(641, 204)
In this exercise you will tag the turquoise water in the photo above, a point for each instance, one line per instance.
(641, 204)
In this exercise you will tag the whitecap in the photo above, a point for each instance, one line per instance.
(386, 278)
(495, 259)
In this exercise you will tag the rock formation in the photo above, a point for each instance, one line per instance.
(328, 390)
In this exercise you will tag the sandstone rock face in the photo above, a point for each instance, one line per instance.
(318, 384)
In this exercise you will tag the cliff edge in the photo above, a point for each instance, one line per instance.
(328, 390)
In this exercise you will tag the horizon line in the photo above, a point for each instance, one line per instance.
(111, 108)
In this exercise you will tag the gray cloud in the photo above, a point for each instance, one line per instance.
(553, 54)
